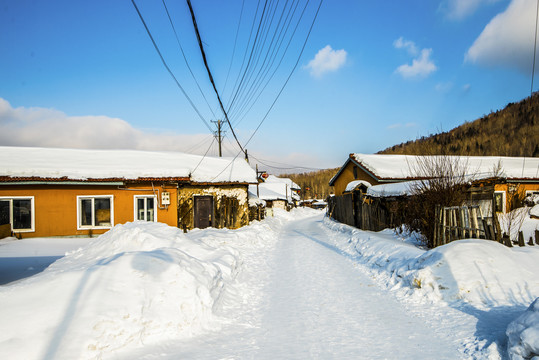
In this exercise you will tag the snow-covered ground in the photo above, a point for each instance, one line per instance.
(294, 286)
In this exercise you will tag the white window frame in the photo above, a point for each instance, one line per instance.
(504, 201)
(136, 197)
(531, 192)
(93, 197)
(32, 217)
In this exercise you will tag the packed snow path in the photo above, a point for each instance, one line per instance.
(314, 302)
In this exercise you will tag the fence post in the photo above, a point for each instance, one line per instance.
(537, 237)
(436, 226)
(507, 240)
(520, 239)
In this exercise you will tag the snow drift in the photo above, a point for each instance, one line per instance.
(523, 334)
(137, 284)
(482, 273)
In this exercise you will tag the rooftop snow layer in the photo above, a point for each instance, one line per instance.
(353, 184)
(402, 166)
(79, 164)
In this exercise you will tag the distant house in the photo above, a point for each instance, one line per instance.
(493, 179)
(66, 192)
(278, 193)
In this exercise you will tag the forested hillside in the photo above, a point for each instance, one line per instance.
(513, 131)
(314, 185)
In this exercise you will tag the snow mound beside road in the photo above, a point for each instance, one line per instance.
(482, 273)
(523, 334)
(137, 284)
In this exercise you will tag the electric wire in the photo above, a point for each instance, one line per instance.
(289, 167)
(234, 49)
(255, 42)
(201, 46)
(166, 66)
(289, 76)
(202, 159)
(185, 57)
(246, 51)
(254, 93)
(241, 114)
(246, 91)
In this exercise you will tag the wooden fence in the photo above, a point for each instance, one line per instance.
(364, 213)
(451, 223)
(463, 222)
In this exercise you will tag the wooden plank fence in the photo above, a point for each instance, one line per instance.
(364, 213)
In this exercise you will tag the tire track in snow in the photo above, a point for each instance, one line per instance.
(319, 305)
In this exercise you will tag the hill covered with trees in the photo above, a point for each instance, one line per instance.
(314, 185)
(513, 131)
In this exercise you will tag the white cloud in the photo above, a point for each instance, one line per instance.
(444, 87)
(460, 9)
(421, 67)
(50, 128)
(507, 40)
(326, 60)
(410, 46)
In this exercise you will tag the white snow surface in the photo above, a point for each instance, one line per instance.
(523, 334)
(294, 286)
(402, 166)
(394, 189)
(81, 164)
(274, 179)
(353, 184)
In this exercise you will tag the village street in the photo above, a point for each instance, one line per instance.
(294, 286)
(312, 300)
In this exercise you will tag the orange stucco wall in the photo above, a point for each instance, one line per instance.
(515, 189)
(347, 175)
(55, 206)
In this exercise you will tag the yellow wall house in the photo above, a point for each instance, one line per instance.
(508, 178)
(66, 192)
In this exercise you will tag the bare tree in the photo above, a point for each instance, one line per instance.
(441, 181)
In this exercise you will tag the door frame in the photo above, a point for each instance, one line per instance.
(195, 210)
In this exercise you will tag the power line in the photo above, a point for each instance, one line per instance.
(235, 43)
(289, 76)
(201, 46)
(185, 58)
(166, 66)
(289, 167)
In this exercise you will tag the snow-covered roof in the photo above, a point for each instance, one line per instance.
(402, 166)
(393, 189)
(353, 184)
(274, 191)
(81, 164)
(274, 179)
(253, 199)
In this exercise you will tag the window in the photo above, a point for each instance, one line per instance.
(499, 201)
(355, 172)
(19, 212)
(145, 208)
(95, 212)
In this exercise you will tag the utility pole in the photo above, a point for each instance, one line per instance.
(219, 139)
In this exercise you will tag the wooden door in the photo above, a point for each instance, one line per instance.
(203, 211)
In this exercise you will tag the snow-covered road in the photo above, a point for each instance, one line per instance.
(314, 301)
(294, 286)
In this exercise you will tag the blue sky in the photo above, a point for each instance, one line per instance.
(373, 74)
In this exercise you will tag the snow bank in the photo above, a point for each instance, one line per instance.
(523, 334)
(480, 272)
(137, 284)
